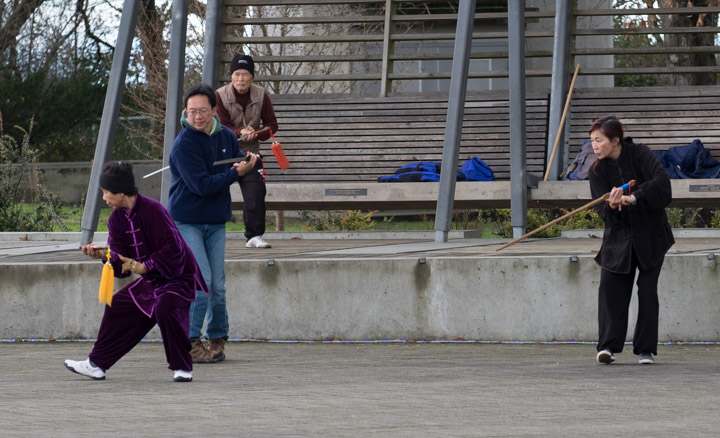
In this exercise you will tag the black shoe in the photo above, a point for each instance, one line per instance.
(646, 359)
(605, 356)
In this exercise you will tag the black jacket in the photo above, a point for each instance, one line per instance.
(644, 226)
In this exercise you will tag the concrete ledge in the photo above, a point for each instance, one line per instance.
(679, 233)
(529, 298)
(102, 236)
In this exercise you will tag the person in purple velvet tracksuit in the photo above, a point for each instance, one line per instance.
(143, 241)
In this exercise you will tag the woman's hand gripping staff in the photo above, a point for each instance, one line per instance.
(618, 198)
(616, 195)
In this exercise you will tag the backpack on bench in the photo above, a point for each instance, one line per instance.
(579, 168)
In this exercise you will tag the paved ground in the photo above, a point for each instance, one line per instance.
(358, 390)
(15, 250)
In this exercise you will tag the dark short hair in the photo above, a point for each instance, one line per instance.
(610, 126)
(201, 89)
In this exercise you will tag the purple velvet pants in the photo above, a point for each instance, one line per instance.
(123, 326)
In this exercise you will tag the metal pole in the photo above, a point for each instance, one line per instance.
(108, 124)
(456, 111)
(561, 60)
(518, 145)
(211, 60)
(388, 49)
(176, 74)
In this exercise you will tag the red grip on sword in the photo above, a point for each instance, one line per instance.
(277, 150)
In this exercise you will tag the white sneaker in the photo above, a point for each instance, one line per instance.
(257, 242)
(605, 356)
(83, 367)
(182, 376)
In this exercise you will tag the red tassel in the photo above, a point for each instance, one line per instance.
(277, 150)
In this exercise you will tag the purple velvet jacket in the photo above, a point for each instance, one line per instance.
(148, 234)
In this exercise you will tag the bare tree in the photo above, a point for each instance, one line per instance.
(13, 15)
(144, 112)
(51, 34)
(698, 39)
(275, 50)
(329, 55)
(687, 19)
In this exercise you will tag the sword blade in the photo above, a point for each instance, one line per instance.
(229, 160)
(157, 171)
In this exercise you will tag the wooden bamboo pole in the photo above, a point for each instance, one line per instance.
(563, 217)
(562, 123)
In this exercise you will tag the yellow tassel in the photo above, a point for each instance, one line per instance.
(106, 281)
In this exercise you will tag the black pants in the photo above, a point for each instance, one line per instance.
(613, 303)
(252, 186)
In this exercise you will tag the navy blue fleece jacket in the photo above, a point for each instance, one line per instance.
(200, 192)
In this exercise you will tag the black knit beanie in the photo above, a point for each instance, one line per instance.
(118, 177)
(242, 62)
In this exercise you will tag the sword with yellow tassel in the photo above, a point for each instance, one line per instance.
(106, 281)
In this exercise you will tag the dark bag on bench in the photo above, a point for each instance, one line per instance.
(689, 161)
(579, 168)
(417, 172)
(476, 169)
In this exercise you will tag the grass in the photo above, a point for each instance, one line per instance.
(491, 226)
(72, 219)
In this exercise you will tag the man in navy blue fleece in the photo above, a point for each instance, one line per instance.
(200, 205)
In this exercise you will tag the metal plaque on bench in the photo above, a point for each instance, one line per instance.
(704, 188)
(346, 192)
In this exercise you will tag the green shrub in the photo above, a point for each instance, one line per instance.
(693, 217)
(348, 220)
(66, 109)
(17, 166)
(537, 217)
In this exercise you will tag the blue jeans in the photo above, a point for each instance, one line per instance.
(207, 242)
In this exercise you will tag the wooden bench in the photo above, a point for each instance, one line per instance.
(657, 116)
(338, 146)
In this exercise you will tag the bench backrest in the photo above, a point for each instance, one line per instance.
(356, 138)
(657, 116)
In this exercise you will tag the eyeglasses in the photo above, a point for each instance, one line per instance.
(203, 112)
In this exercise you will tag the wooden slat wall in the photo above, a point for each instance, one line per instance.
(659, 117)
(359, 138)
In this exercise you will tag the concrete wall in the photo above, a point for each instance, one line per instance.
(70, 180)
(485, 298)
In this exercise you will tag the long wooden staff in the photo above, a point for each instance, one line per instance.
(565, 216)
(562, 122)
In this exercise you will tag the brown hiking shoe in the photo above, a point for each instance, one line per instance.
(217, 347)
(201, 354)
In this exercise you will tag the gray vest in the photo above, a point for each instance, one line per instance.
(250, 116)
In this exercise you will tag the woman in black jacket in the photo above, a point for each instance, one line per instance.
(637, 236)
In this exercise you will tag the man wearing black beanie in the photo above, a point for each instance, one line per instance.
(246, 108)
